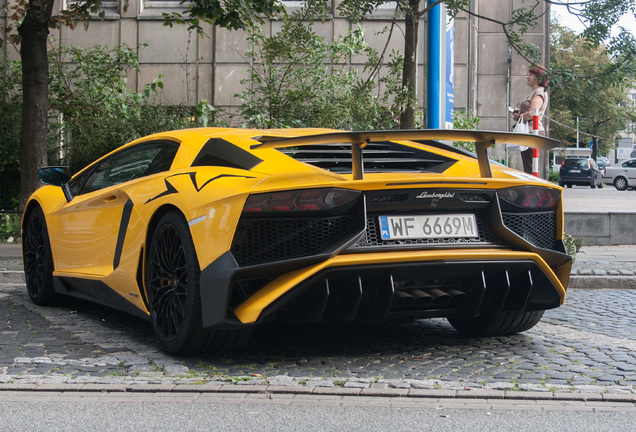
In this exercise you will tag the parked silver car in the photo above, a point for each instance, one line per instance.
(622, 175)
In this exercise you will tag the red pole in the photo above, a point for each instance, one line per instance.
(535, 152)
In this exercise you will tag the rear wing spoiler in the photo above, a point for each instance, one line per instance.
(483, 141)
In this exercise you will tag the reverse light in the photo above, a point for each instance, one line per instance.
(300, 201)
(531, 196)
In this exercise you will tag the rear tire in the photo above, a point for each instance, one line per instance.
(497, 323)
(172, 280)
(620, 183)
(37, 259)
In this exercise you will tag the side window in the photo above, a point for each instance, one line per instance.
(129, 164)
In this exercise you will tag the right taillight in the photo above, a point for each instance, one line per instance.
(531, 197)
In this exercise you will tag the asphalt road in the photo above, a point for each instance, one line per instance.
(605, 199)
(187, 412)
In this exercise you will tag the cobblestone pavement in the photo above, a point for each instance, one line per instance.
(588, 345)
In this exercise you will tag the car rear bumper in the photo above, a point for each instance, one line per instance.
(385, 285)
(576, 179)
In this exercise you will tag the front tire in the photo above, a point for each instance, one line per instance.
(37, 258)
(620, 183)
(172, 280)
(497, 323)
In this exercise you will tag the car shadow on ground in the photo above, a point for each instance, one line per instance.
(421, 349)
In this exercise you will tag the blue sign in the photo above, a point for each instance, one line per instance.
(450, 72)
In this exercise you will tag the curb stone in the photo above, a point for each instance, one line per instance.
(626, 398)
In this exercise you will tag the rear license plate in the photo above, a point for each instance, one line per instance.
(575, 171)
(428, 227)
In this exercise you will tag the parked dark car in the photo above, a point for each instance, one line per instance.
(602, 163)
(580, 171)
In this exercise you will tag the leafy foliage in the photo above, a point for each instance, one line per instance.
(98, 112)
(464, 120)
(9, 227)
(230, 14)
(292, 83)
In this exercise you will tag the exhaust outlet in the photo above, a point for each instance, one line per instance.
(439, 296)
(400, 298)
(421, 298)
(456, 297)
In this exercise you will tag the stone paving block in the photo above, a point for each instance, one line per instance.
(426, 393)
(373, 391)
(291, 389)
(480, 394)
(620, 397)
(341, 391)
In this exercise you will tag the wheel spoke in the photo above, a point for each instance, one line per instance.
(34, 256)
(168, 281)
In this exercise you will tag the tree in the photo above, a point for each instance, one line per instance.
(31, 21)
(594, 89)
(300, 80)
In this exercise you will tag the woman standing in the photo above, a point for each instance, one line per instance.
(537, 99)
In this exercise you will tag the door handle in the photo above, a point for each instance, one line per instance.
(110, 198)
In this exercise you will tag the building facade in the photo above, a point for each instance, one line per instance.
(488, 75)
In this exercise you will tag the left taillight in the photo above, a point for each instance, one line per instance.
(307, 200)
(531, 197)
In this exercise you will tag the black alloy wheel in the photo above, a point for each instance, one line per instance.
(172, 281)
(37, 258)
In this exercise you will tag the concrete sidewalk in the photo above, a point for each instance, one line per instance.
(594, 266)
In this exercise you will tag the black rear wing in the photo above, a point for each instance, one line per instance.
(359, 140)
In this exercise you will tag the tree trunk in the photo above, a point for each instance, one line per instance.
(409, 72)
(34, 31)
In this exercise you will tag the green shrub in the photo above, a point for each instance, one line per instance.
(572, 245)
(9, 228)
(98, 111)
(553, 176)
(299, 80)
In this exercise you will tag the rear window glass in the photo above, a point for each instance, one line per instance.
(575, 163)
(221, 153)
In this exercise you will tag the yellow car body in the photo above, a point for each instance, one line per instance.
(207, 232)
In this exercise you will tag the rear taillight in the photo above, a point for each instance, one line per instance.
(531, 196)
(300, 201)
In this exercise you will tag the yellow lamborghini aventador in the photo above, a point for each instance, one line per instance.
(208, 232)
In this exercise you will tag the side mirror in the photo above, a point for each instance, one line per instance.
(54, 175)
(57, 176)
